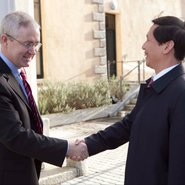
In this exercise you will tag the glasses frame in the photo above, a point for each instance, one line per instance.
(28, 45)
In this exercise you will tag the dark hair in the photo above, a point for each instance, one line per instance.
(171, 28)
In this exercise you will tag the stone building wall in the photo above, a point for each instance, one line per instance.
(75, 35)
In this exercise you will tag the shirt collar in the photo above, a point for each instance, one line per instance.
(167, 78)
(16, 71)
(163, 72)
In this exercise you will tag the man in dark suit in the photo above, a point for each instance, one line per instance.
(22, 145)
(155, 128)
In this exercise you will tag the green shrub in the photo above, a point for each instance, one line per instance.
(84, 95)
(115, 87)
(65, 98)
(52, 98)
(72, 96)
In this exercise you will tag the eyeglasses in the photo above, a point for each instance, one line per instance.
(28, 46)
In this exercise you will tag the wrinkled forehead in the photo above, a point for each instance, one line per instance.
(28, 34)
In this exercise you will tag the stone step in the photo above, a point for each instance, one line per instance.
(129, 107)
(133, 101)
(54, 175)
(132, 84)
(122, 113)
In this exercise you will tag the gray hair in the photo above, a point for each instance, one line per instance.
(13, 21)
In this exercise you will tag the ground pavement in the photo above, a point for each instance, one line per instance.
(106, 168)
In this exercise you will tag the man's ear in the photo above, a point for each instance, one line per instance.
(4, 40)
(168, 46)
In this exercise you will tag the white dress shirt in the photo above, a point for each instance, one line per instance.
(163, 72)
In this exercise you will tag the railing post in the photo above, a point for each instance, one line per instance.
(113, 63)
(122, 66)
(108, 66)
(121, 93)
(139, 80)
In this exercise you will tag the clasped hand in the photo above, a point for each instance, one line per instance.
(77, 150)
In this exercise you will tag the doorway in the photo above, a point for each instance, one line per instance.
(111, 44)
(39, 61)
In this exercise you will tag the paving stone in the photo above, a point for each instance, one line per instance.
(104, 168)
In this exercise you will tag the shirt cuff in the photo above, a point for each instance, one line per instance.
(67, 147)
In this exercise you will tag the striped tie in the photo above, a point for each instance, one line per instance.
(150, 82)
(31, 102)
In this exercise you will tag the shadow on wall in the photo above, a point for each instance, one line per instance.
(88, 17)
(88, 73)
(88, 1)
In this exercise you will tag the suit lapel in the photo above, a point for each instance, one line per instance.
(12, 81)
(160, 84)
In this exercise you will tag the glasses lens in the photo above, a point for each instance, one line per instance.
(38, 46)
(28, 46)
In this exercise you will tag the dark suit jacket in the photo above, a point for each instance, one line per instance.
(21, 148)
(155, 130)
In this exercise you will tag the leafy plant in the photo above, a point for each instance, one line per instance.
(115, 87)
(52, 98)
(65, 98)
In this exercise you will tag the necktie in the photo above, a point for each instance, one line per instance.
(150, 82)
(31, 102)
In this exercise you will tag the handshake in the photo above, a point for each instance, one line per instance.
(77, 150)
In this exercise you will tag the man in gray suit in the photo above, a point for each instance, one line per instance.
(22, 145)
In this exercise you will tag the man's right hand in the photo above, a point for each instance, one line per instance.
(77, 150)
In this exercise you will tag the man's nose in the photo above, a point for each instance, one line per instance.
(33, 50)
(143, 46)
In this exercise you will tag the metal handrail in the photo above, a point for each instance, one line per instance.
(139, 79)
(132, 93)
(123, 76)
(138, 66)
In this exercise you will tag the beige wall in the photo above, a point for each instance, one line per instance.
(68, 41)
(136, 21)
